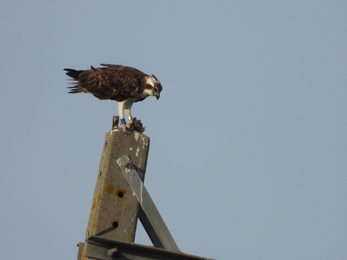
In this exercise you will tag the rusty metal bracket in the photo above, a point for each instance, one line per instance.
(149, 214)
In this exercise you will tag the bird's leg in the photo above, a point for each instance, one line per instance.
(121, 112)
(127, 109)
(125, 106)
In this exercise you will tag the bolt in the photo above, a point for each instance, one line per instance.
(127, 163)
(112, 252)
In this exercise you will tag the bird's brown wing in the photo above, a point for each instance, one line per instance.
(114, 82)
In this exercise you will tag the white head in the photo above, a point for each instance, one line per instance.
(151, 80)
(153, 86)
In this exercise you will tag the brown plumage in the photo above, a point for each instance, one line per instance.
(124, 84)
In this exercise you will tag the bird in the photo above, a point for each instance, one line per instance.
(123, 84)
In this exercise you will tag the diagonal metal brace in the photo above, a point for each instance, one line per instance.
(149, 215)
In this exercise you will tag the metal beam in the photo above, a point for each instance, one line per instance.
(150, 216)
(103, 249)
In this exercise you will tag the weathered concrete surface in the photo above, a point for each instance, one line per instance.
(115, 209)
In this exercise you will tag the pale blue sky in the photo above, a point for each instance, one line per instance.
(248, 152)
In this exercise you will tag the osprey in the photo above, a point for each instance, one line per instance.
(125, 85)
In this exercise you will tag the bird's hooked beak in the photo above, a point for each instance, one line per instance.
(157, 96)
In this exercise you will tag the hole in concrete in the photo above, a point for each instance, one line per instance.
(115, 224)
(119, 193)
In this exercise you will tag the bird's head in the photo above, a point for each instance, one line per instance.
(153, 86)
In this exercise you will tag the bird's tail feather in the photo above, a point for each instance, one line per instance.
(74, 74)
(75, 89)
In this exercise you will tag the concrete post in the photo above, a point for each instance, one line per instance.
(115, 209)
